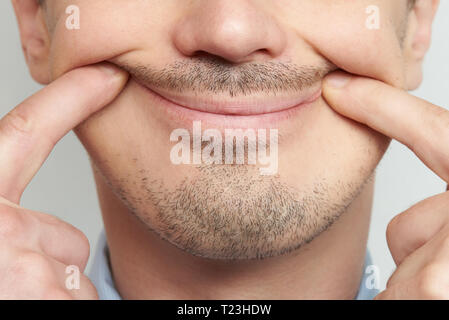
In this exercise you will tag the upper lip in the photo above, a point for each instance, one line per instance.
(253, 104)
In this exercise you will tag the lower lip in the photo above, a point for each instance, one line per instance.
(182, 114)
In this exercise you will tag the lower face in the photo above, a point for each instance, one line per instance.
(232, 211)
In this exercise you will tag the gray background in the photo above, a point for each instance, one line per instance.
(65, 187)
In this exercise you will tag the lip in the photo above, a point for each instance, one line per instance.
(220, 111)
(249, 105)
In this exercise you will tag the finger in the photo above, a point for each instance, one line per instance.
(29, 132)
(414, 227)
(33, 275)
(86, 291)
(62, 241)
(413, 290)
(406, 291)
(73, 282)
(418, 124)
(43, 233)
(424, 271)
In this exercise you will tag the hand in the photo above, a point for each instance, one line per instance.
(35, 248)
(419, 237)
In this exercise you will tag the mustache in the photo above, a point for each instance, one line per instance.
(218, 76)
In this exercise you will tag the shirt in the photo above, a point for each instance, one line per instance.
(101, 277)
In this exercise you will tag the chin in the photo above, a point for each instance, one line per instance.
(233, 213)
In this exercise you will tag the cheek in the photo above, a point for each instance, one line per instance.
(374, 54)
(105, 32)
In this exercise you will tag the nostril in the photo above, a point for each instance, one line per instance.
(262, 51)
(260, 54)
(201, 54)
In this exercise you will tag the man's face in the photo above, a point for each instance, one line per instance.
(221, 54)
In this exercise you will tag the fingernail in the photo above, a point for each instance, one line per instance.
(109, 68)
(338, 79)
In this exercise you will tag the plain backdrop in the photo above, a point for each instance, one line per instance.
(65, 187)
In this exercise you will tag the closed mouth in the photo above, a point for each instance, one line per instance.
(241, 112)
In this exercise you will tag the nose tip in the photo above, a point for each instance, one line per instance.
(233, 30)
(232, 41)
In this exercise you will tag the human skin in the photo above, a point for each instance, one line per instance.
(127, 138)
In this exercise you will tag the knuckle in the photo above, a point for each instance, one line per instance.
(84, 244)
(51, 219)
(430, 284)
(439, 119)
(392, 280)
(400, 224)
(394, 226)
(16, 124)
(11, 223)
(75, 240)
(79, 243)
(32, 265)
(437, 122)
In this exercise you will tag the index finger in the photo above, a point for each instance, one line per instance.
(421, 126)
(29, 132)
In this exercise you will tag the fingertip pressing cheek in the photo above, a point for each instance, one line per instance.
(104, 33)
(94, 42)
(374, 54)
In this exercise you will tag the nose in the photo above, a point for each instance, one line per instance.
(235, 30)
